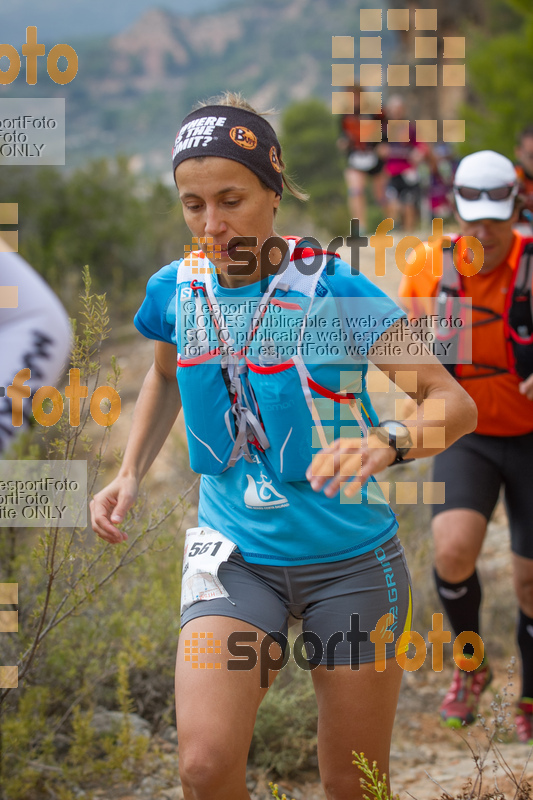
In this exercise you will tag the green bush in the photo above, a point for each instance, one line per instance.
(100, 214)
(309, 141)
(92, 616)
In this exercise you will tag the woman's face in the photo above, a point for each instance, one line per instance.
(223, 199)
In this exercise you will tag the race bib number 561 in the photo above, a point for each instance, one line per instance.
(205, 550)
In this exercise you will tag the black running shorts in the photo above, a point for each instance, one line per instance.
(475, 468)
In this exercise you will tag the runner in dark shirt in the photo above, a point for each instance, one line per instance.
(363, 160)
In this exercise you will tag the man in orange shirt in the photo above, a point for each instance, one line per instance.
(500, 451)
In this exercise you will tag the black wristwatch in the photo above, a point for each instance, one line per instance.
(399, 439)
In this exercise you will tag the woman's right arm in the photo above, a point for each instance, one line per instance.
(155, 412)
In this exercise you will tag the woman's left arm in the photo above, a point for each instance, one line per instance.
(443, 413)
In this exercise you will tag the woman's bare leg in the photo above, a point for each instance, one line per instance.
(356, 710)
(356, 182)
(216, 707)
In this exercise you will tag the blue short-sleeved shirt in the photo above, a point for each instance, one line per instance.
(287, 523)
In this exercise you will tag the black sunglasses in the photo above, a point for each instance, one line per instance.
(499, 193)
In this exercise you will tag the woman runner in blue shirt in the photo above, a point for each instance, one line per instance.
(278, 537)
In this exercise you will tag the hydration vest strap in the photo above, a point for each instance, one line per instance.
(518, 317)
(490, 373)
(308, 251)
(247, 420)
(519, 291)
(492, 316)
(305, 381)
(451, 287)
(522, 281)
(247, 423)
(347, 398)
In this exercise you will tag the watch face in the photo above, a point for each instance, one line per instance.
(400, 432)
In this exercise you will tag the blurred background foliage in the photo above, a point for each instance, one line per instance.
(309, 133)
(100, 214)
(499, 69)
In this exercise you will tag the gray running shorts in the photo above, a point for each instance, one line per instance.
(340, 603)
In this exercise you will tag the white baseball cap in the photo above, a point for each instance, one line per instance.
(485, 171)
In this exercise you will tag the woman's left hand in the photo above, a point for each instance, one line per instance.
(353, 460)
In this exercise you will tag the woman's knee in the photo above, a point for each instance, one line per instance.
(454, 565)
(457, 536)
(205, 766)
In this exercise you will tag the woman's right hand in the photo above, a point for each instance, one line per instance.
(109, 507)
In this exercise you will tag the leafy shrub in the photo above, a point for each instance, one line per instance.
(92, 615)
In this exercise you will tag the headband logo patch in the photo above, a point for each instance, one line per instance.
(274, 159)
(244, 137)
(197, 133)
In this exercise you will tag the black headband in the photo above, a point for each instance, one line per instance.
(229, 132)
